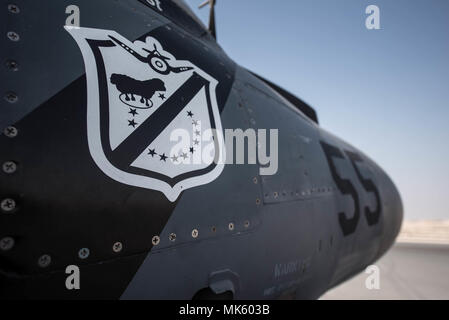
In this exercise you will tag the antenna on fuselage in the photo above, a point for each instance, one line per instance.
(211, 3)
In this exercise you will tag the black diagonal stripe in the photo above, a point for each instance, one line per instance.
(136, 142)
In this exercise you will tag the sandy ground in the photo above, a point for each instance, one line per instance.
(425, 231)
(407, 271)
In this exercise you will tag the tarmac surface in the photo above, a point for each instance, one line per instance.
(407, 271)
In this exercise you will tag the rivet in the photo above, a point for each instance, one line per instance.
(172, 237)
(257, 201)
(10, 132)
(12, 65)
(117, 247)
(9, 167)
(194, 233)
(155, 241)
(44, 261)
(231, 226)
(246, 224)
(8, 205)
(6, 243)
(255, 180)
(13, 36)
(11, 97)
(83, 253)
(13, 8)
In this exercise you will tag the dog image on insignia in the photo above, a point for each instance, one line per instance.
(129, 87)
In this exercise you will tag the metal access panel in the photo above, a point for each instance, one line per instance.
(301, 162)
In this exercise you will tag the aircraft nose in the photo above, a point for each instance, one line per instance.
(392, 217)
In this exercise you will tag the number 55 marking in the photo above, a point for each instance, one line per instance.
(349, 225)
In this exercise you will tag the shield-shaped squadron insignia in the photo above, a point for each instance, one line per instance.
(152, 120)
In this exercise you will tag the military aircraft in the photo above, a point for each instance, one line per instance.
(91, 187)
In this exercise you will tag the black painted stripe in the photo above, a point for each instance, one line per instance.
(136, 142)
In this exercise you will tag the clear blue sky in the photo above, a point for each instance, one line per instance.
(384, 91)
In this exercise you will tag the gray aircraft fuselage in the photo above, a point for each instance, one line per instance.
(70, 198)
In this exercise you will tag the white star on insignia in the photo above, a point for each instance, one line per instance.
(184, 155)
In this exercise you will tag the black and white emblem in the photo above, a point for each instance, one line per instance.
(152, 120)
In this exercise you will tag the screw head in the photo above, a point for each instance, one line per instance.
(83, 253)
(8, 204)
(11, 97)
(195, 233)
(6, 243)
(255, 180)
(13, 36)
(10, 132)
(257, 201)
(117, 247)
(246, 223)
(13, 8)
(44, 261)
(172, 237)
(231, 226)
(12, 65)
(155, 241)
(9, 167)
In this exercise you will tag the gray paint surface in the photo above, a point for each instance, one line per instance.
(32, 82)
(294, 244)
